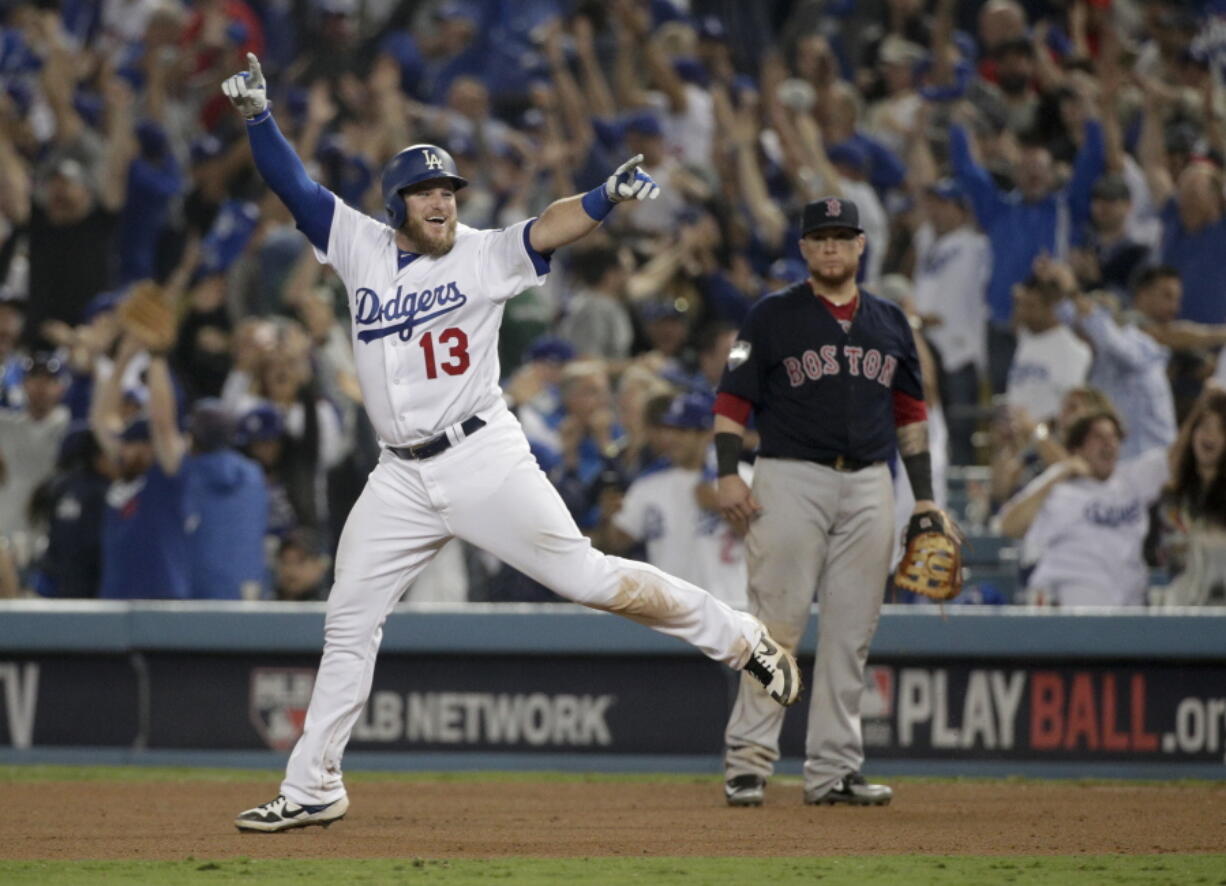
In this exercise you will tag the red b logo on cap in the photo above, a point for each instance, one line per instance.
(834, 207)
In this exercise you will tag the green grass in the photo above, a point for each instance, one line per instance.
(899, 870)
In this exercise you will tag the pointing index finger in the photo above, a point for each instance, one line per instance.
(631, 163)
(253, 66)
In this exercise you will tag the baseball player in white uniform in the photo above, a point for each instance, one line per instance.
(426, 295)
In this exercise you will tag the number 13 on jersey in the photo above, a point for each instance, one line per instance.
(453, 346)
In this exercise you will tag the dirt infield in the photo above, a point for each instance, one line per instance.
(170, 821)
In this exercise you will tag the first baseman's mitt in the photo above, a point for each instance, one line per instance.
(931, 562)
(148, 317)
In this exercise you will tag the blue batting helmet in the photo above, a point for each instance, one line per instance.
(416, 163)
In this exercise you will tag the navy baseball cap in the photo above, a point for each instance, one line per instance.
(669, 308)
(691, 412)
(848, 154)
(261, 422)
(79, 443)
(947, 189)
(643, 123)
(691, 70)
(552, 348)
(103, 302)
(205, 148)
(830, 212)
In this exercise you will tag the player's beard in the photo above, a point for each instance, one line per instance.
(827, 276)
(424, 237)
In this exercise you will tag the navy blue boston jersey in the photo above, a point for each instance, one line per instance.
(819, 391)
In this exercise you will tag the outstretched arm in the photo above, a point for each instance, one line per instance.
(169, 446)
(565, 221)
(1151, 148)
(1017, 516)
(985, 197)
(104, 418)
(311, 204)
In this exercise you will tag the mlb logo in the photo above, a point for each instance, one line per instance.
(739, 353)
(834, 207)
(277, 704)
(877, 702)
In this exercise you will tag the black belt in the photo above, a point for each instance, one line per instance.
(845, 463)
(438, 444)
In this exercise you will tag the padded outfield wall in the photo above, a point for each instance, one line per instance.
(964, 690)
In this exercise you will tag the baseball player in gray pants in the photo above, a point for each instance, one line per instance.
(832, 376)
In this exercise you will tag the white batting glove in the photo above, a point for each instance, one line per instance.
(628, 182)
(247, 90)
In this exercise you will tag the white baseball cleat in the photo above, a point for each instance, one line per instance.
(775, 668)
(282, 814)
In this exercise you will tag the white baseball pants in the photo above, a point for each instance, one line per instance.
(489, 491)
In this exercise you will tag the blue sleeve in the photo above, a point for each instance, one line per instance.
(540, 260)
(985, 196)
(1087, 167)
(310, 203)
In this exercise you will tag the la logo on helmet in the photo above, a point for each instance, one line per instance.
(432, 159)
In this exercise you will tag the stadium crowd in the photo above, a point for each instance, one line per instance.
(1041, 184)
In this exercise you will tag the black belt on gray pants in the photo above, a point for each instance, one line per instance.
(438, 444)
(845, 463)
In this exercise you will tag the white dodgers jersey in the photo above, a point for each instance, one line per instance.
(1088, 536)
(425, 334)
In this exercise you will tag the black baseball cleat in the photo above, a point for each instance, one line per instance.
(775, 668)
(745, 790)
(282, 815)
(852, 790)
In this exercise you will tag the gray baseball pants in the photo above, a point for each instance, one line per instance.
(829, 532)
